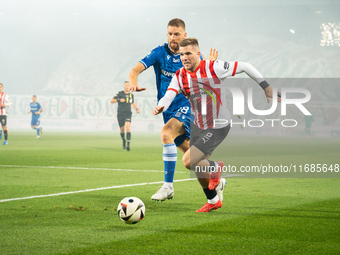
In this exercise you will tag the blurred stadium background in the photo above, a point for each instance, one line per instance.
(75, 55)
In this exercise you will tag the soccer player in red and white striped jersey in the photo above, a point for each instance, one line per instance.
(5, 101)
(201, 81)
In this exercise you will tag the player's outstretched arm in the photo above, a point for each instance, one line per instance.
(113, 101)
(252, 72)
(133, 77)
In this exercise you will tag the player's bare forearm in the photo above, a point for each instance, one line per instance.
(133, 77)
(113, 101)
(158, 110)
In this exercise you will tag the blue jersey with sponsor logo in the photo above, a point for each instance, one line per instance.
(35, 107)
(165, 64)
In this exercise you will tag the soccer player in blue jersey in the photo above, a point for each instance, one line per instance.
(35, 109)
(165, 60)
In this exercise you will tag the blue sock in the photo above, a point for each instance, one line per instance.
(38, 131)
(169, 158)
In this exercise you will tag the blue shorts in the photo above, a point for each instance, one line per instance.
(183, 115)
(35, 121)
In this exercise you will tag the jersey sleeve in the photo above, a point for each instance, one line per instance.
(39, 107)
(227, 69)
(152, 57)
(174, 85)
(170, 94)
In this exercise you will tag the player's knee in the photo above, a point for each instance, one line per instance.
(166, 135)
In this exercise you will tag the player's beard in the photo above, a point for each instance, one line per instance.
(174, 46)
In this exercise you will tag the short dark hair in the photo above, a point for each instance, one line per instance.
(34, 96)
(126, 82)
(189, 41)
(176, 23)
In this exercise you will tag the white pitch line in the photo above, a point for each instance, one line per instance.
(89, 190)
(88, 168)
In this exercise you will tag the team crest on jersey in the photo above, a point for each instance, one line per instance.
(167, 57)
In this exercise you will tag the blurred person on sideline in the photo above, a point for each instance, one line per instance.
(125, 100)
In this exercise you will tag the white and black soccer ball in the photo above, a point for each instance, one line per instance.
(131, 210)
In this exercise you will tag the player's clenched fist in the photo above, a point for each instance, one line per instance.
(158, 110)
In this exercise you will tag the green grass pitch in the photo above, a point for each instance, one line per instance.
(259, 215)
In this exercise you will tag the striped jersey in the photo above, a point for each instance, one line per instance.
(4, 99)
(207, 99)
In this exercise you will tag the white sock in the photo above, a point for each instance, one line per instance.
(214, 200)
(168, 185)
